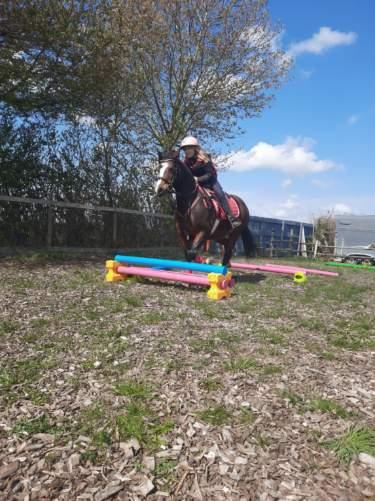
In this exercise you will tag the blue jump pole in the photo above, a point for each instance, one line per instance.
(169, 263)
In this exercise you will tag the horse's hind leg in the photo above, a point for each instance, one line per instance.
(228, 248)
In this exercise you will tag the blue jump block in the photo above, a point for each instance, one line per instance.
(169, 263)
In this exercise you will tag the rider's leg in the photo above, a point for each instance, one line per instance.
(216, 186)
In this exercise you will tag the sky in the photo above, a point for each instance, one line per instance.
(312, 151)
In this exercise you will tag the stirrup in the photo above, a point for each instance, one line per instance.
(235, 223)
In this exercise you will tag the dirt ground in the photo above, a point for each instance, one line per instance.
(133, 389)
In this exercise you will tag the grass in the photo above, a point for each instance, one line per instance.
(93, 418)
(174, 365)
(273, 338)
(139, 422)
(317, 404)
(211, 384)
(165, 468)
(293, 398)
(227, 338)
(204, 345)
(352, 443)
(217, 416)
(155, 356)
(313, 324)
(24, 371)
(241, 364)
(8, 327)
(270, 370)
(152, 318)
(133, 301)
(328, 355)
(36, 396)
(353, 334)
(246, 416)
(352, 341)
(91, 456)
(330, 407)
(41, 424)
(102, 438)
(133, 390)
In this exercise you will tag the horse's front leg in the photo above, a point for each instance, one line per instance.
(198, 241)
(183, 237)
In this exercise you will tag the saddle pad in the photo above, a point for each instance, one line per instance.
(220, 213)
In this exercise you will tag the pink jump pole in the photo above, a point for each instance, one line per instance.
(260, 267)
(276, 268)
(308, 271)
(174, 276)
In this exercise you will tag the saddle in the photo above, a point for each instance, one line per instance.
(210, 200)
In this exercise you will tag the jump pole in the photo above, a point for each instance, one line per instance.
(286, 270)
(219, 285)
(308, 271)
(170, 263)
(349, 265)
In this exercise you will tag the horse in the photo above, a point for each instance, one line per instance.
(196, 219)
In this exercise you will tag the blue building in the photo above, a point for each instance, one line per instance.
(282, 235)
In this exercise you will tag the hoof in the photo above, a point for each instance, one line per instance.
(191, 255)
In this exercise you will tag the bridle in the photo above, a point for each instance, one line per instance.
(170, 182)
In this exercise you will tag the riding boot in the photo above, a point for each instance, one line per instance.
(235, 223)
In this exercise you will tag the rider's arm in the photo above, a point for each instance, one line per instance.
(210, 173)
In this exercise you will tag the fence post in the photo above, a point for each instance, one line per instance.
(49, 225)
(271, 244)
(114, 230)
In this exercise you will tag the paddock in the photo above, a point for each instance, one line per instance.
(122, 390)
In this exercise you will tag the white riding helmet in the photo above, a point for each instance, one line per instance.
(189, 141)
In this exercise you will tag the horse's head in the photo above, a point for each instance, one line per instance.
(167, 171)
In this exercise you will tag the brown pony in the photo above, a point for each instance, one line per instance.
(196, 220)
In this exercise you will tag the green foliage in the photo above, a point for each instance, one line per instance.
(353, 442)
(217, 416)
(241, 364)
(211, 384)
(41, 424)
(329, 406)
(133, 390)
(140, 423)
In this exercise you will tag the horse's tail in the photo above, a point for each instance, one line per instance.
(248, 242)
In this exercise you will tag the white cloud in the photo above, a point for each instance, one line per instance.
(286, 183)
(319, 184)
(291, 203)
(353, 119)
(293, 157)
(320, 42)
(340, 208)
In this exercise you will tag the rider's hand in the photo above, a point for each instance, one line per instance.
(196, 179)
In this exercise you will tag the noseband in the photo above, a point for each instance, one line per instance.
(173, 178)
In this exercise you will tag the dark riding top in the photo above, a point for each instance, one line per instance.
(205, 172)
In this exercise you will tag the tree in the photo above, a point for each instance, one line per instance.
(215, 62)
(63, 56)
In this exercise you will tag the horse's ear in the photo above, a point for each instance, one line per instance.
(160, 155)
(175, 153)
